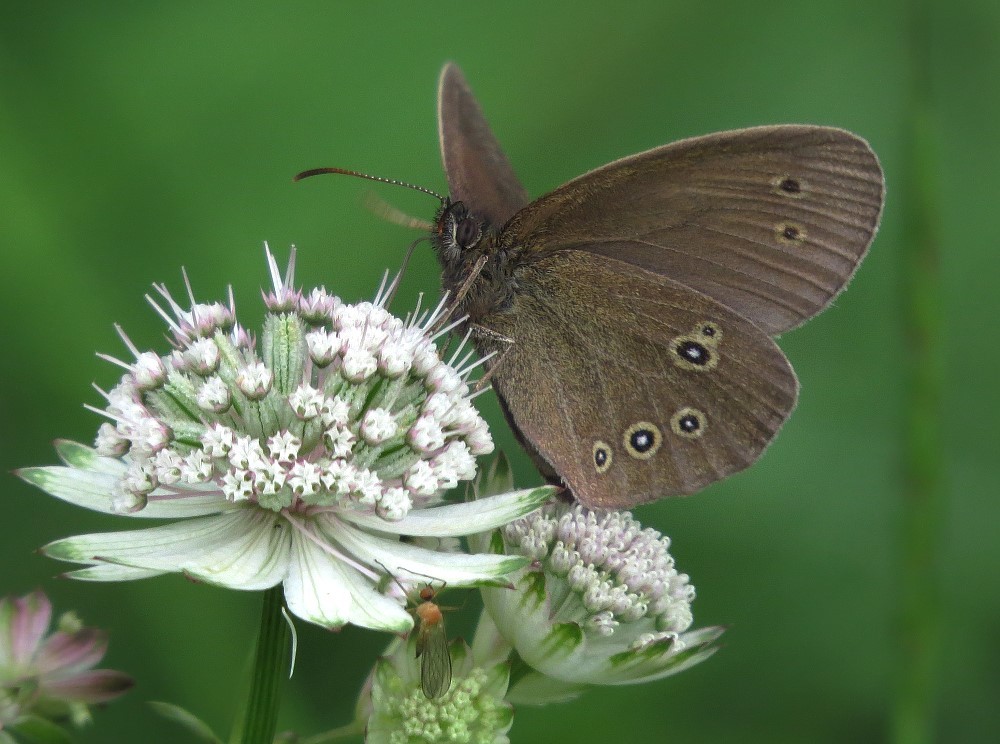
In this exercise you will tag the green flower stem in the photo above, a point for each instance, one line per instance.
(270, 669)
(923, 468)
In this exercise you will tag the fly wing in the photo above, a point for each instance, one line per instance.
(435, 660)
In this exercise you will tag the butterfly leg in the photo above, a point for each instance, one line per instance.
(455, 301)
(497, 339)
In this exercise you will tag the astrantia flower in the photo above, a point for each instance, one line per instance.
(301, 458)
(473, 710)
(50, 676)
(601, 603)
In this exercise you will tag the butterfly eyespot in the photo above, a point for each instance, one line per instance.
(642, 440)
(694, 352)
(709, 331)
(789, 232)
(689, 423)
(690, 353)
(789, 186)
(602, 456)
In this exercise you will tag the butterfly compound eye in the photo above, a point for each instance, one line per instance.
(467, 232)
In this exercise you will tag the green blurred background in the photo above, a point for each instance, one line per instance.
(137, 138)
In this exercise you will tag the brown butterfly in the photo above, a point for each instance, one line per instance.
(632, 309)
(631, 312)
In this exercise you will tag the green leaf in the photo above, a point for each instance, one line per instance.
(81, 456)
(498, 477)
(562, 639)
(194, 725)
(35, 730)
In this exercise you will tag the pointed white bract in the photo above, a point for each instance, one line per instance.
(303, 456)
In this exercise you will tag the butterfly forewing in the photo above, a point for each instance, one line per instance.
(478, 172)
(770, 221)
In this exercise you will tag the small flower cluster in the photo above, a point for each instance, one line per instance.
(601, 603)
(615, 570)
(340, 404)
(50, 676)
(473, 710)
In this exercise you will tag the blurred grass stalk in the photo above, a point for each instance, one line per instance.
(923, 461)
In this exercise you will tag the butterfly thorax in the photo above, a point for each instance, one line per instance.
(463, 241)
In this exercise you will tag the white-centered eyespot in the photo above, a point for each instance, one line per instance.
(602, 456)
(689, 423)
(642, 440)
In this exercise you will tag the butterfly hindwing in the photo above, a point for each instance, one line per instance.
(679, 390)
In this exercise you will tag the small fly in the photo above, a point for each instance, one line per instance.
(432, 646)
(432, 640)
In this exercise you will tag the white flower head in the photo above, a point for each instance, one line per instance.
(284, 446)
(306, 401)
(109, 442)
(426, 434)
(254, 380)
(295, 460)
(201, 357)
(359, 364)
(148, 371)
(319, 306)
(339, 441)
(601, 602)
(324, 346)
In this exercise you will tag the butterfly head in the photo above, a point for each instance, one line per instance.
(457, 232)
(472, 266)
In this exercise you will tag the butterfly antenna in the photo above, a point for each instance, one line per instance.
(483, 383)
(358, 174)
(381, 208)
